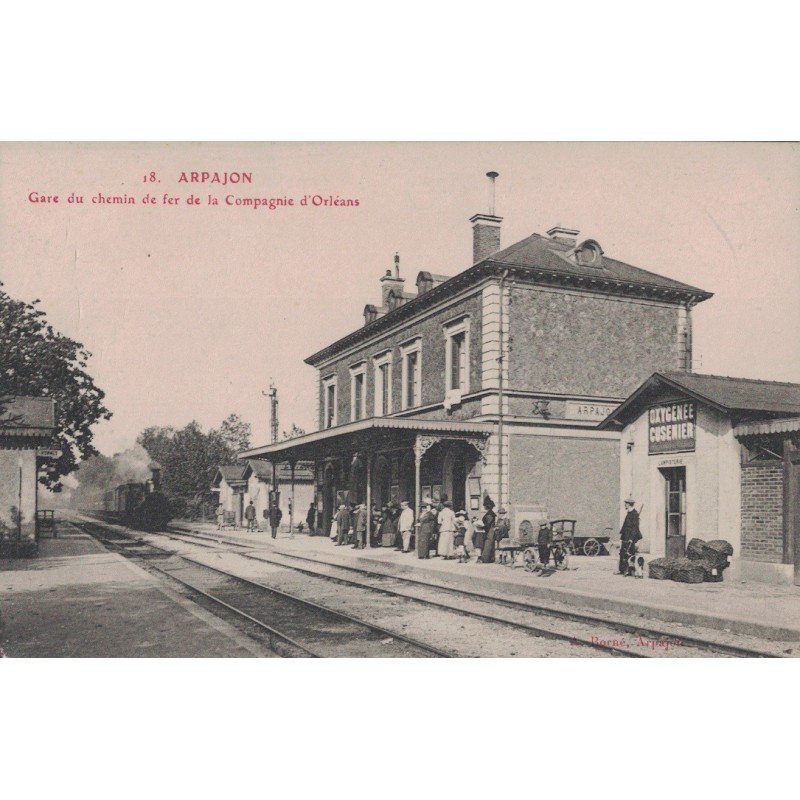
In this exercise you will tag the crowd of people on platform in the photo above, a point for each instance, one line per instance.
(438, 528)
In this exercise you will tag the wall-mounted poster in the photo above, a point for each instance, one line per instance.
(426, 492)
(394, 493)
(436, 492)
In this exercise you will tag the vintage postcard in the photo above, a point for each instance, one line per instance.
(414, 400)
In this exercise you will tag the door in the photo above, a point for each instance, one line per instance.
(459, 484)
(792, 511)
(328, 498)
(675, 511)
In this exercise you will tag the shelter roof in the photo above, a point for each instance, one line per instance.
(744, 398)
(27, 416)
(230, 473)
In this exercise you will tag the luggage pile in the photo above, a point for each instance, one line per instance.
(704, 561)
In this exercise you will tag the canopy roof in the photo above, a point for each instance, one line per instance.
(365, 433)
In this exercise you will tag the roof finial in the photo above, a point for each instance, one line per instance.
(397, 265)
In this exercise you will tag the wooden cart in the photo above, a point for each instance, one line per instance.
(588, 545)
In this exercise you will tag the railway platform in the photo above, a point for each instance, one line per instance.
(743, 607)
(77, 599)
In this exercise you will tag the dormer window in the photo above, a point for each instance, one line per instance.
(589, 254)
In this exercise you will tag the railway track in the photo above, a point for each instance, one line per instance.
(292, 626)
(592, 630)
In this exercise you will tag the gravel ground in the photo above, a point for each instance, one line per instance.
(463, 636)
(466, 636)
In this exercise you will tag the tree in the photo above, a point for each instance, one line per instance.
(236, 433)
(37, 361)
(189, 457)
(293, 433)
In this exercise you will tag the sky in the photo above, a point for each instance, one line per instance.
(190, 310)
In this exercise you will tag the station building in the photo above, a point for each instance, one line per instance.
(26, 427)
(492, 382)
(237, 484)
(713, 457)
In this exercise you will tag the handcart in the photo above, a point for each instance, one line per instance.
(560, 549)
(588, 545)
(524, 548)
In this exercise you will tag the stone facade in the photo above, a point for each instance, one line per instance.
(576, 343)
(574, 478)
(431, 332)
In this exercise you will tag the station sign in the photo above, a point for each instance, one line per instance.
(43, 452)
(672, 427)
(591, 412)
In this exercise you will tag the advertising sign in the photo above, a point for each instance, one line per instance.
(671, 427)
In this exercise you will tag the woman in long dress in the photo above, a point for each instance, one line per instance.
(447, 531)
(426, 528)
(489, 518)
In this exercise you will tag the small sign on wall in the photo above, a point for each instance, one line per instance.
(591, 412)
(671, 427)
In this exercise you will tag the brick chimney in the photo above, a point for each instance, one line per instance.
(486, 229)
(391, 281)
(564, 235)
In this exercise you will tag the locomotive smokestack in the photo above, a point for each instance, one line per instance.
(155, 475)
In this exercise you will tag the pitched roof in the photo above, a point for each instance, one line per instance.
(303, 470)
(27, 416)
(548, 262)
(230, 473)
(542, 252)
(742, 397)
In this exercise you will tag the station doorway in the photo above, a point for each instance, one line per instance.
(675, 510)
(792, 509)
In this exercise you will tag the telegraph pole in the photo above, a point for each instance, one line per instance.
(273, 398)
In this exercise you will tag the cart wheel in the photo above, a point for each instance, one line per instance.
(591, 547)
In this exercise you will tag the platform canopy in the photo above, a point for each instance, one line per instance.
(370, 434)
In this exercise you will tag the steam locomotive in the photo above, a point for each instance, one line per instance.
(139, 505)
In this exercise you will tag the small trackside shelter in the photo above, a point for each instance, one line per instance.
(714, 457)
(26, 427)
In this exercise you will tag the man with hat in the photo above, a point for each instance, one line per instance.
(406, 524)
(629, 535)
(342, 525)
(503, 526)
(360, 526)
(543, 541)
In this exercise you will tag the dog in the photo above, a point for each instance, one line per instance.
(636, 566)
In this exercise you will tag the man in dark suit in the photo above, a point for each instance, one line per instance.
(275, 515)
(629, 534)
